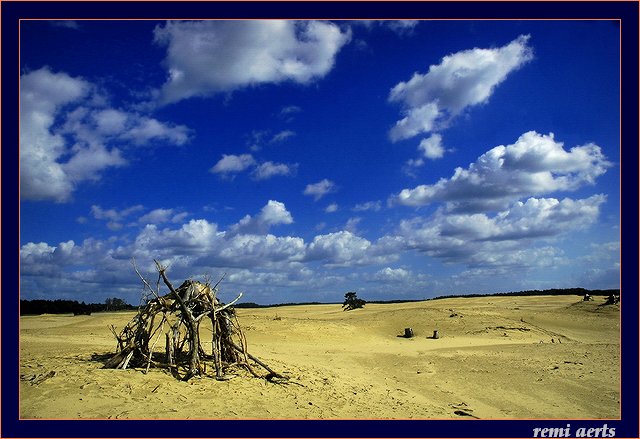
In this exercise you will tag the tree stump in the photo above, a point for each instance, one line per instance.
(408, 332)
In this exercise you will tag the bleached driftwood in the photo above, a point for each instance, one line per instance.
(179, 314)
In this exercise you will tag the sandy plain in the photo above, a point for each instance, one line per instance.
(497, 358)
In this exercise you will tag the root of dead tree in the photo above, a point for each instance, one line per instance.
(177, 319)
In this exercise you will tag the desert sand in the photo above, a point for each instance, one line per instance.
(497, 358)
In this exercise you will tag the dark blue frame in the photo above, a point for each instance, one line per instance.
(11, 426)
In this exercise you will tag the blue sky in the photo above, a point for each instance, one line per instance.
(305, 159)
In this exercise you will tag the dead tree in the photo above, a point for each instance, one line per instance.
(179, 315)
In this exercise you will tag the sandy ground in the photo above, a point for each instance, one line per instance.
(513, 357)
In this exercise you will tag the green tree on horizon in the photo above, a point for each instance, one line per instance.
(351, 301)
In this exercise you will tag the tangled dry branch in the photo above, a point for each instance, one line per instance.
(180, 315)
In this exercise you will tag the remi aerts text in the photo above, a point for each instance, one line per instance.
(603, 431)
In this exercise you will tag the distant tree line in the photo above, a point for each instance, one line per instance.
(59, 306)
(549, 292)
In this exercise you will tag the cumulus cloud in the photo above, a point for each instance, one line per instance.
(303, 277)
(520, 237)
(417, 120)
(273, 213)
(478, 238)
(320, 189)
(249, 245)
(346, 249)
(230, 163)
(68, 135)
(208, 57)
(389, 274)
(431, 147)
(461, 80)
(42, 94)
(195, 248)
(269, 169)
(534, 165)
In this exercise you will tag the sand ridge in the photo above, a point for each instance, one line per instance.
(498, 357)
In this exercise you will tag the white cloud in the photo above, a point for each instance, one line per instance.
(508, 240)
(303, 277)
(389, 274)
(193, 238)
(431, 147)
(31, 252)
(409, 168)
(267, 170)
(345, 249)
(95, 126)
(331, 208)
(418, 120)
(114, 217)
(194, 249)
(200, 243)
(146, 129)
(230, 163)
(402, 27)
(534, 165)
(207, 57)
(352, 224)
(289, 111)
(320, 189)
(42, 94)
(461, 80)
(110, 121)
(478, 238)
(369, 205)
(158, 216)
(68, 135)
(259, 251)
(87, 163)
(273, 213)
(112, 214)
(258, 138)
(282, 136)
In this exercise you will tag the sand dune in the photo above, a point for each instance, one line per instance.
(498, 357)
